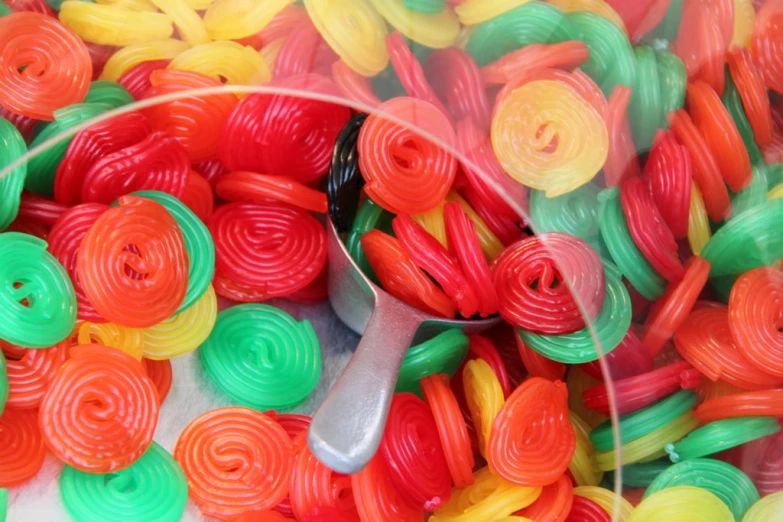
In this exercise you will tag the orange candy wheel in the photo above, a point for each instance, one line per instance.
(377, 498)
(160, 373)
(101, 410)
(753, 92)
(763, 403)
(30, 372)
(756, 316)
(767, 43)
(236, 460)
(250, 187)
(532, 440)
(45, 65)
(22, 450)
(554, 503)
(133, 265)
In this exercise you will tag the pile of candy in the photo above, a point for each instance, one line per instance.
(606, 176)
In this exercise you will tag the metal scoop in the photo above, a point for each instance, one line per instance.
(347, 428)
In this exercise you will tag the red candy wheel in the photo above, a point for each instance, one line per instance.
(634, 393)
(400, 276)
(376, 496)
(251, 187)
(456, 79)
(30, 372)
(706, 173)
(353, 85)
(585, 510)
(298, 134)
(640, 16)
(132, 264)
(22, 450)
(314, 486)
(532, 441)
(767, 43)
(303, 51)
(566, 55)
(755, 318)
(137, 79)
(649, 230)
(433, 258)
(196, 122)
(198, 196)
(236, 460)
(507, 230)
(481, 347)
(293, 424)
(763, 403)
(65, 239)
(464, 242)
(539, 366)
(40, 208)
(405, 172)
(622, 161)
(554, 503)
(92, 145)
(705, 341)
(158, 162)
(210, 171)
(669, 173)
(101, 410)
(672, 309)
(751, 88)
(452, 430)
(535, 278)
(314, 293)
(46, 66)
(720, 134)
(413, 454)
(265, 251)
(410, 73)
(160, 374)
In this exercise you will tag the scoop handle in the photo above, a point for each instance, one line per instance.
(347, 428)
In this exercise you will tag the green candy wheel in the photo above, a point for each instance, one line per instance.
(429, 7)
(152, 488)
(370, 216)
(441, 354)
(12, 147)
(721, 435)
(262, 357)
(575, 213)
(110, 93)
(3, 384)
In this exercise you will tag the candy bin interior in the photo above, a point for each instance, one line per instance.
(391, 260)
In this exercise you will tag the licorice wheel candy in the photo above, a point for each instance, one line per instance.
(235, 460)
(481, 347)
(376, 496)
(198, 196)
(47, 65)
(616, 506)
(554, 503)
(40, 208)
(750, 85)
(628, 359)
(400, 276)
(30, 372)
(264, 251)
(251, 187)
(562, 55)
(575, 213)
(456, 79)
(669, 173)
(406, 172)
(410, 73)
(443, 353)
(11, 184)
(345, 181)
(535, 278)
(682, 504)
(183, 332)
(438, 31)
(22, 452)
(137, 78)
(161, 375)
(484, 399)
(303, 51)
(538, 365)
(532, 441)
(721, 435)
(101, 411)
(585, 510)
(767, 43)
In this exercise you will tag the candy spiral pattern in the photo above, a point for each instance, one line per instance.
(12, 146)
(406, 173)
(532, 440)
(150, 282)
(583, 467)
(452, 429)
(585, 510)
(198, 196)
(432, 257)
(251, 187)
(721, 435)
(302, 51)
(553, 134)
(575, 213)
(108, 24)
(705, 341)
(22, 451)
(443, 353)
(410, 73)
(187, 21)
(767, 44)
(137, 78)
(369, 217)
(299, 134)
(540, 280)
(92, 144)
(457, 81)
(345, 181)
(648, 229)
(413, 453)
(152, 488)
(553, 504)
(262, 357)
(38, 303)
(196, 122)
(183, 332)
(41, 209)
(57, 67)
(400, 276)
(682, 504)
(314, 486)
(158, 162)
(356, 33)
(101, 410)
(109, 93)
(755, 310)
(226, 19)
(750, 85)
(160, 373)
(264, 251)
(198, 244)
(376, 496)
(128, 340)
(669, 173)
(488, 498)
(235, 459)
(616, 506)
(128, 57)
(30, 371)
(484, 398)
(239, 65)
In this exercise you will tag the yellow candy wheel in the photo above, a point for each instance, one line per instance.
(238, 64)
(547, 137)
(484, 397)
(768, 509)
(472, 12)
(698, 222)
(682, 504)
(184, 332)
(187, 20)
(618, 508)
(132, 55)
(125, 339)
(235, 19)
(583, 466)
(438, 31)
(113, 25)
